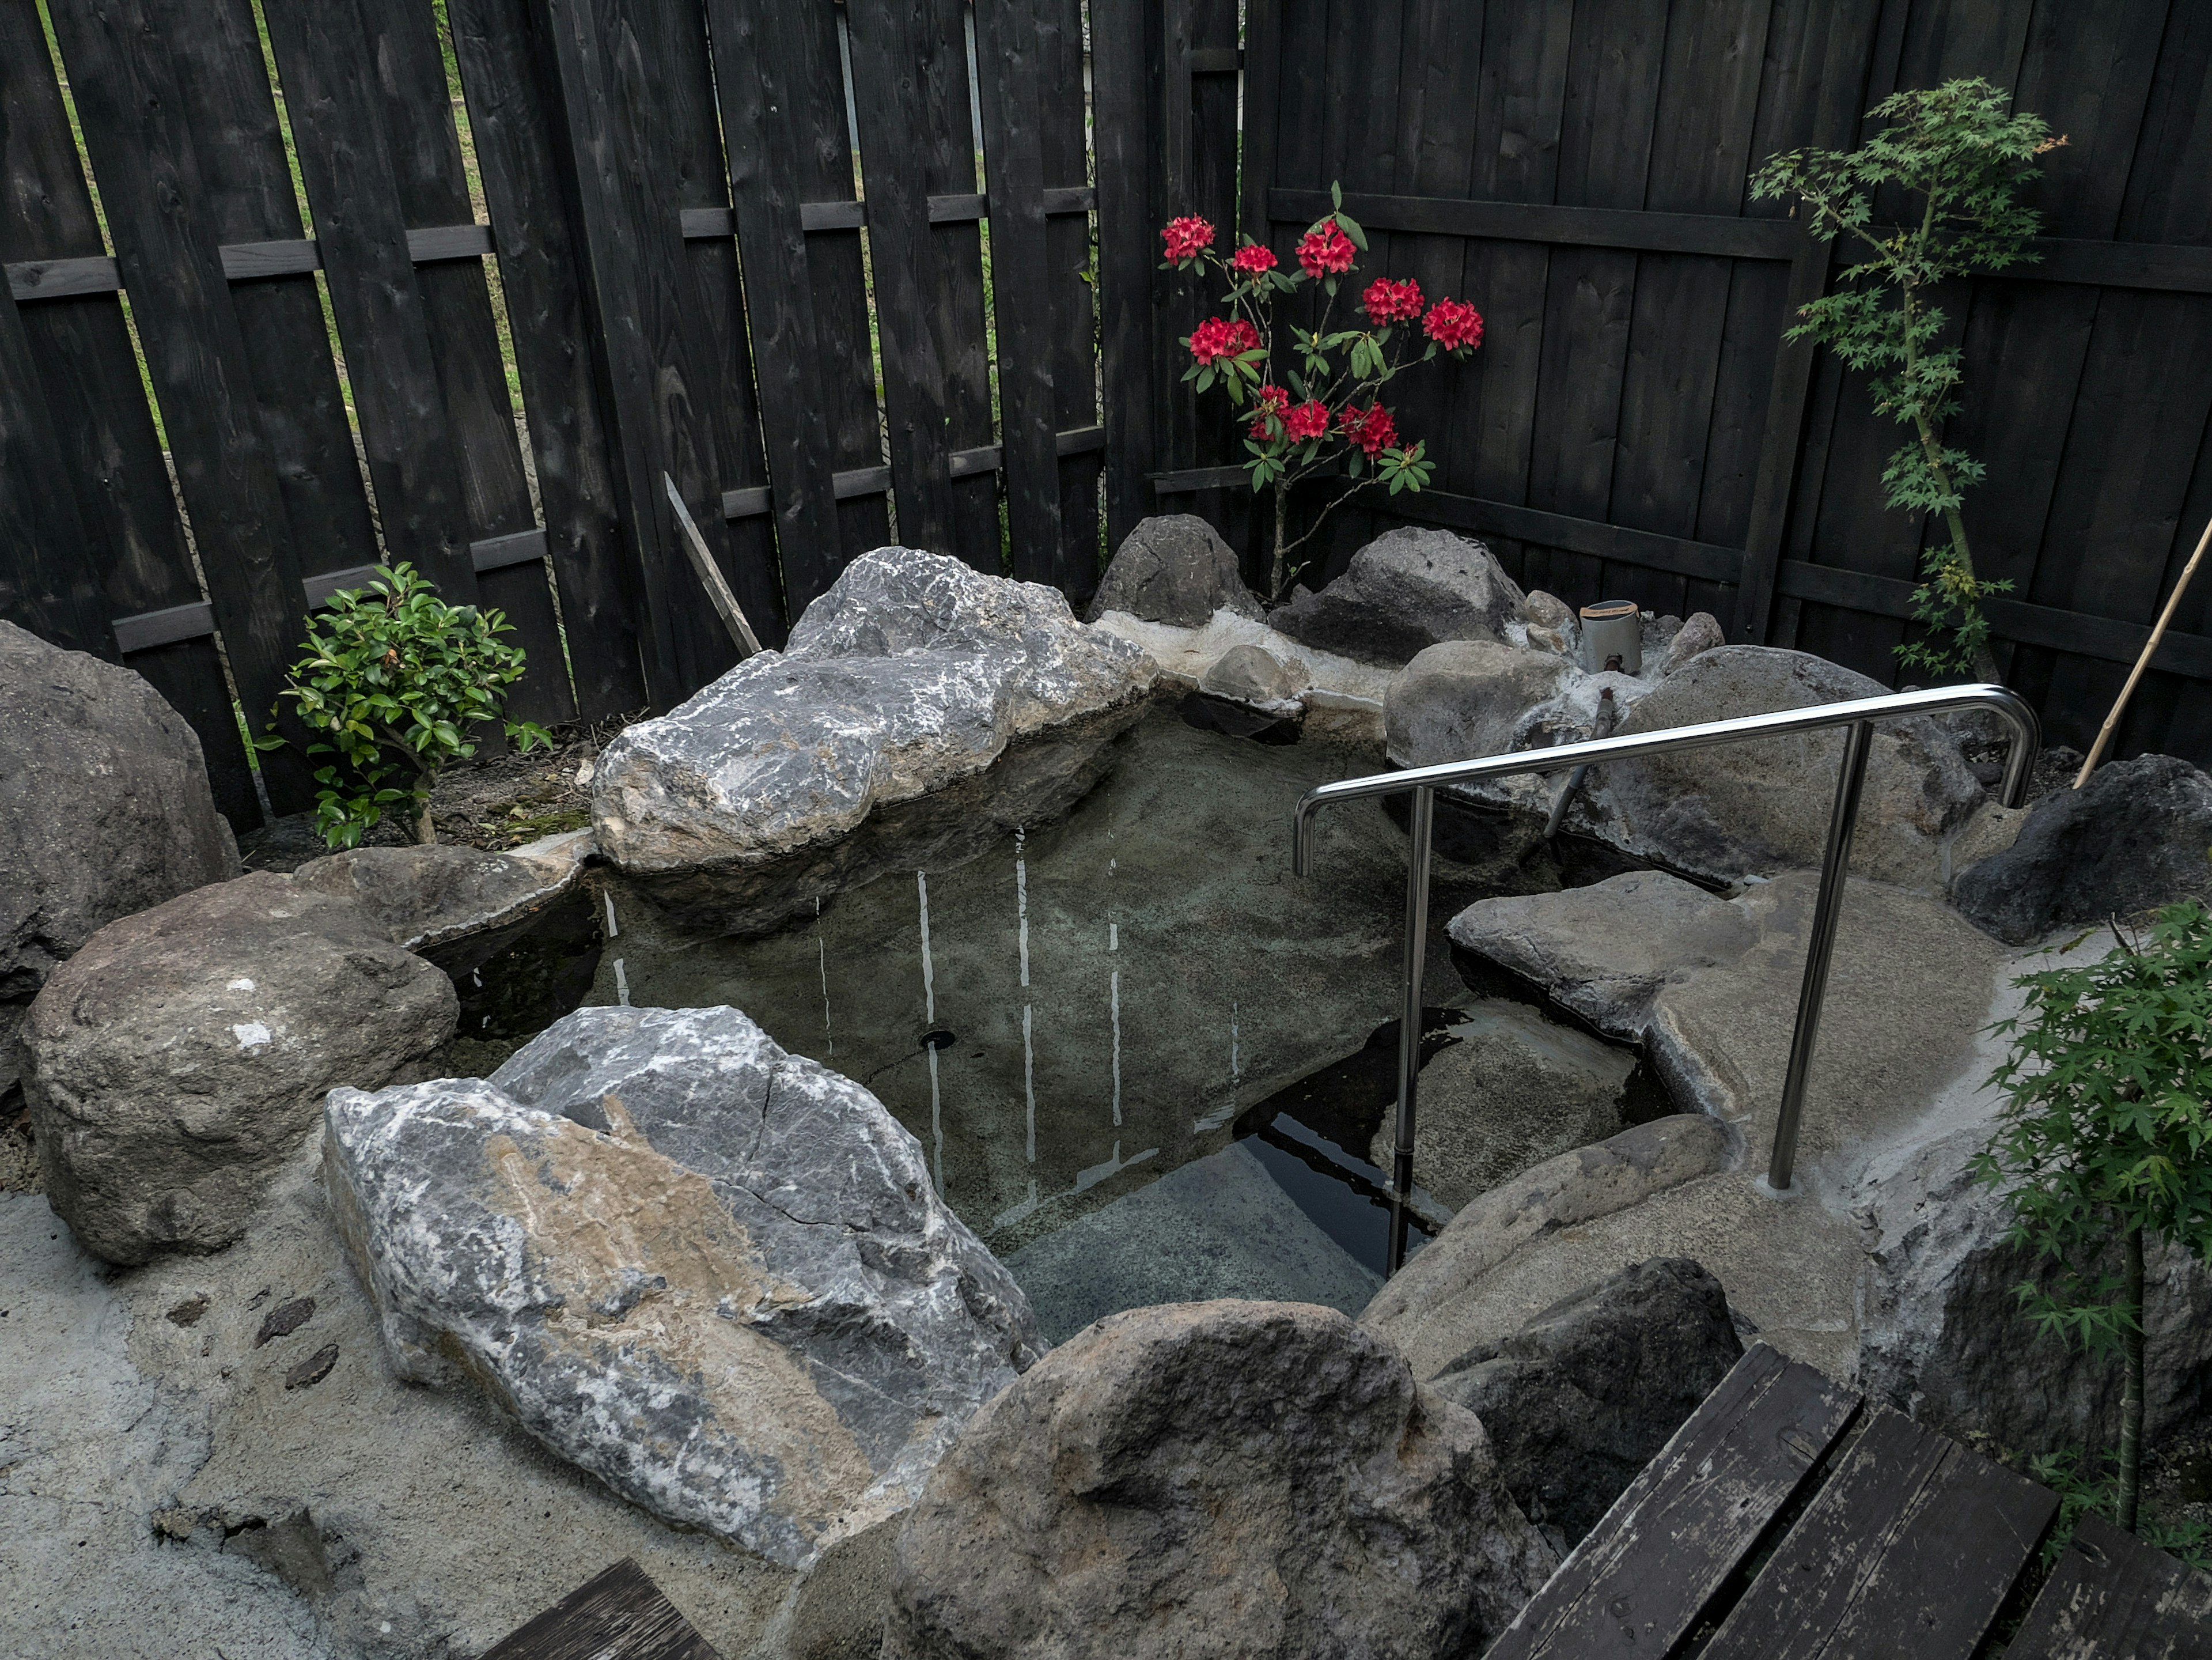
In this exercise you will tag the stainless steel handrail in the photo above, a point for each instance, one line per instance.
(1859, 715)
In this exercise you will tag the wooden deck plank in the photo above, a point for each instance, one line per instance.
(620, 1615)
(1646, 1572)
(1910, 1548)
(2112, 1597)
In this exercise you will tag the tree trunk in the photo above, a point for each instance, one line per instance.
(2131, 1394)
(1282, 524)
(426, 832)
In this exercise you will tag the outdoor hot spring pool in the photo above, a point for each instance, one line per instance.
(1144, 1062)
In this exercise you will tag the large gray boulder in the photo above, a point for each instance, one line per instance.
(938, 706)
(182, 1056)
(1220, 1478)
(1466, 698)
(712, 1273)
(1174, 568)
(1514, 1090)
(1585, 1394)
(1944, 1336)
(105, 810)
(1406, 591)
(2138, 835)
(1753, 809)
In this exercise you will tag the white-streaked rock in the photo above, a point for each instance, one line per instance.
(710, 1272)
(917, 693)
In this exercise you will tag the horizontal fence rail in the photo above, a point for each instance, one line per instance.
(1860, 714)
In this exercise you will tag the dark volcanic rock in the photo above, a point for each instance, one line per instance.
(1220, 1478)
(2138, 835)
(712, 1273)
(104, 809)
(179, 1059)
(1580, 1399)
(1174, 568)
(1403, 592)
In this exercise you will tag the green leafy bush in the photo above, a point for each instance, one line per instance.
(2103, 1140)
(394, 681)
(1960, 159)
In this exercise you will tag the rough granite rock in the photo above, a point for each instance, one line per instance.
(1944, 1336)
(104, 809)
(1220, 1478)
(1514, 1090)
(1709, 989)
(1701, 634)
(1406, 591)
(1585, 1394)
(1560, 1193)
(1753, 809)
(2138, 835)
(937, 705)
(430, 897)
(1604, 952)
(1466, 698)
(1174, 568)
(1548, 611)
(1251, 674)
(179, 1058)
(712, 1273)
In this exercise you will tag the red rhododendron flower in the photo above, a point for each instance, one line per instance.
(1307, 420)
(1392, 302)
(1252, 259)
(1325, 250)
(1186, 238)
(1372, 429)
(1222, 337)
(1271, 400)
(1453, 324)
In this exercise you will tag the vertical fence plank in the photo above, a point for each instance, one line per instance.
(145, 159)
(1125, 43)
(658, 366)
(345, 153)
(758, 77)
(248, 196)
(505, 55)
(134, 558)
(46, 584)
(1010, 67)
(1063, 130)
(699, 175)
(432, 190)
(891, 43)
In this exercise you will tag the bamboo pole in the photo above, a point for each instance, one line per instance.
(2112, 721)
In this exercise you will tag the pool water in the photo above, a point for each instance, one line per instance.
(1143, 1059)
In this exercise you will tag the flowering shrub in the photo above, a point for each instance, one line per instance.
(1321, 407)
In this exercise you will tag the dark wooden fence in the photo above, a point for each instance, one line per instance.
(843, 269)
(827, 265)
(1633, 426)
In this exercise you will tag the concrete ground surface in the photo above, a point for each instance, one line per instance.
(146, 1465)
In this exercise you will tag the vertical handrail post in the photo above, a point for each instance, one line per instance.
(1835, 864)
(1409, 1017)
